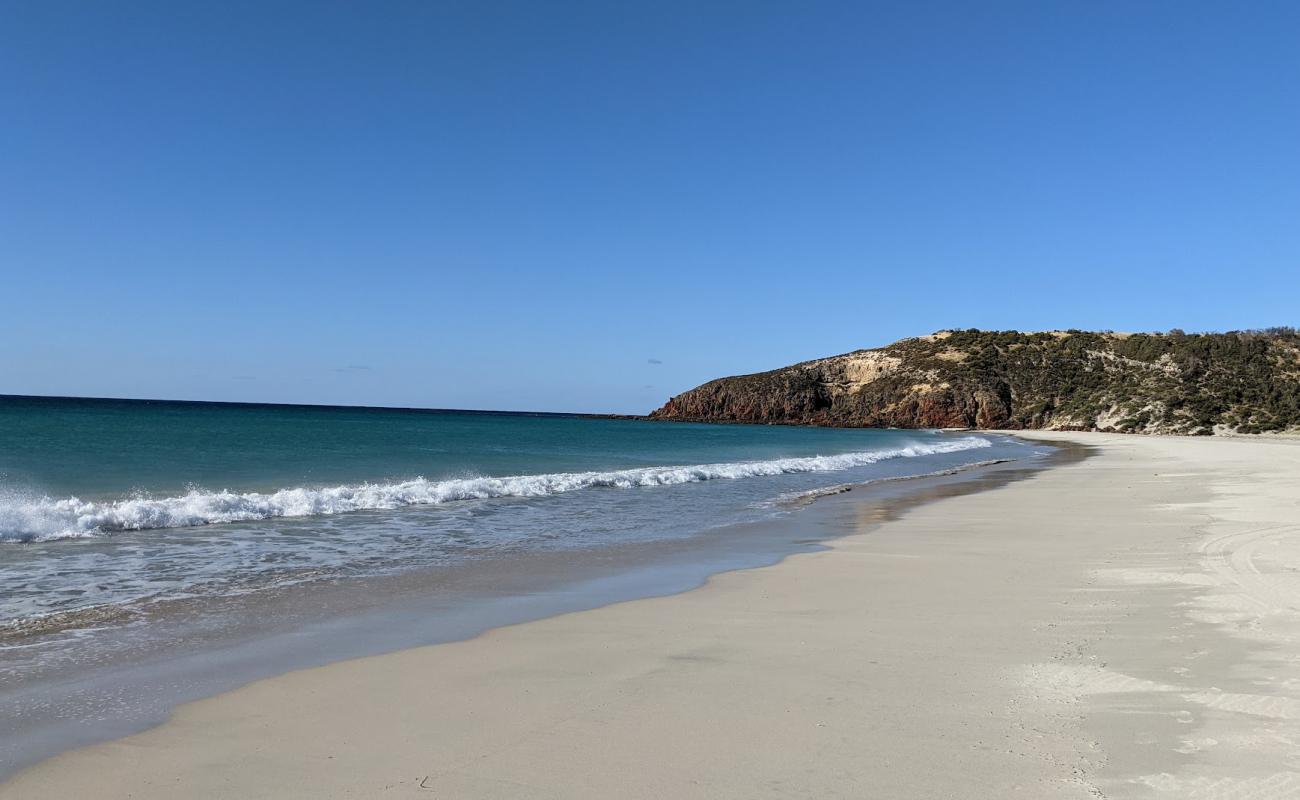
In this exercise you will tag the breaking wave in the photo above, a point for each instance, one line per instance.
(32, 519)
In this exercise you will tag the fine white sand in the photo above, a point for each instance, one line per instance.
(1128, 626)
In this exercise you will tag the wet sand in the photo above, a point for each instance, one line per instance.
(1124, 626)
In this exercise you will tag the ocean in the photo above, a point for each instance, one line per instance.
(134, 532)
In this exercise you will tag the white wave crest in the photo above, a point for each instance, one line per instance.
(41, 519)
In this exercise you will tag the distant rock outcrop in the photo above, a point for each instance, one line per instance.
(1173, 382)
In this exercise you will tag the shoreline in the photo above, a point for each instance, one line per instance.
(331, 623)
(1122, 626)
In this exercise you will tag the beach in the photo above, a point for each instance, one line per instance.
(1126, 625)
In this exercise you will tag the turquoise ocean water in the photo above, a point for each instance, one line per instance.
(121, 502)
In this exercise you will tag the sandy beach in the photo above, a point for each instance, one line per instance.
(1123, 626)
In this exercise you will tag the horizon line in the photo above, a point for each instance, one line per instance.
(334, 406)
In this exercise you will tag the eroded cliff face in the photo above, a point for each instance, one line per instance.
(1066, 380)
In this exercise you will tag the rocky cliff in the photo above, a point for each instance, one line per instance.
(1157, 383)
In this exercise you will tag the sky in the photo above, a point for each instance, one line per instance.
(594, 206)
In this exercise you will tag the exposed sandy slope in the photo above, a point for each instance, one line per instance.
(1124, 627)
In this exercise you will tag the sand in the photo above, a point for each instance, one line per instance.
(1127, 626)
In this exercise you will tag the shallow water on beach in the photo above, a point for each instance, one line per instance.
(112, 504)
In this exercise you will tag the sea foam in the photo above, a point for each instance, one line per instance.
(24, 518)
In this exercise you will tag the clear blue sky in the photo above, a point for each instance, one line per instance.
(592, 206)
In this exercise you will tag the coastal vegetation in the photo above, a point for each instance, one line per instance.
(1173, 382)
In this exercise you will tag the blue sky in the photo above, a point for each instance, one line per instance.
(592, 206)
